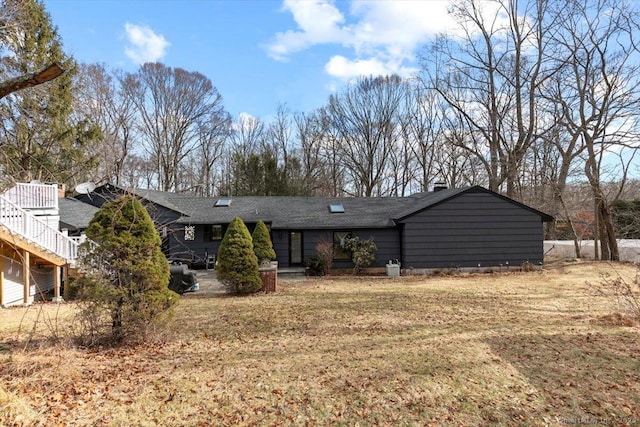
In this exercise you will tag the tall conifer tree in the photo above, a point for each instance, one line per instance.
(262, 245)
(41, 139)
(237, 266)
(127, 273)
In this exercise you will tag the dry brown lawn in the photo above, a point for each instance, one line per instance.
(536, 348)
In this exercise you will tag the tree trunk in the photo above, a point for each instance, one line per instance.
(608, 235)
(573, 229)
(116, 325)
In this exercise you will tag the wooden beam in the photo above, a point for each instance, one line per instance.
(35, 249)
(56, 284)
(26, 275)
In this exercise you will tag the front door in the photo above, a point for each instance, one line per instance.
(295, 248)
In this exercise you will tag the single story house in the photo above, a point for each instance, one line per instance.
(448, 228)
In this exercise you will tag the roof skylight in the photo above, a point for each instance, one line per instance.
(336, 208)
(222, 203)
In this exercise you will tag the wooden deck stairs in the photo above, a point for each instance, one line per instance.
(19, 242)
(27, 236)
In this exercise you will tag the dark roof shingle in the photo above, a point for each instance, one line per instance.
(304, 212)
(75, 214)
(296, 212)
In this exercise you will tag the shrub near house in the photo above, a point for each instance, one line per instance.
(262, 246)
(363, 252)
(237, 266)
(126, 285)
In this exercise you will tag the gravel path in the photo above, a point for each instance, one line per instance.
(209, 285)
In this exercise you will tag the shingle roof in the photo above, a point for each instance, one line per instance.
(75, 214)
(163, 198)
(428, 200)
(296, 212)
(307, 212)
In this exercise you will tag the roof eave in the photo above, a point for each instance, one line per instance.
(474, 189)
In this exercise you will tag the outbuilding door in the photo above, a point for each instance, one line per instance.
(295, 248)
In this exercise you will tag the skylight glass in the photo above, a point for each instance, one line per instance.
(336, 208)
(222, 203)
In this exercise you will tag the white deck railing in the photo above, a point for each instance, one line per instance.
(21, 222)
(34, 196)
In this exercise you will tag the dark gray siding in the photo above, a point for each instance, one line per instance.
(200, 246)
(280, 241)
(387, 240)
(470, 230)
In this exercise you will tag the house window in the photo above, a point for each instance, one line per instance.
(190, 232)
(223, 203)
(214, 232)
(339, 252)
(336, 208)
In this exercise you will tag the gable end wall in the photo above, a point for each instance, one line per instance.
(470, 230)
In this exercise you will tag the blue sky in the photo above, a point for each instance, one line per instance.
(258, 53)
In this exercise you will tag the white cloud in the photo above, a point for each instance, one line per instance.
(382, 34)
(399, 26)
(343, 68)
(245, 122)
(144, 44)
(318, 21)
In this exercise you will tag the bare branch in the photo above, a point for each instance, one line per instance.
(30, 80)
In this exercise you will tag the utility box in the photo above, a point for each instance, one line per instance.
(393, 270)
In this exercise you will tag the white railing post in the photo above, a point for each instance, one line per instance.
(34, 196)
(26, 225)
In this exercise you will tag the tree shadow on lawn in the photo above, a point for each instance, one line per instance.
(591, 378)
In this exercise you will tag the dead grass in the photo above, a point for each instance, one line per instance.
(532, 348)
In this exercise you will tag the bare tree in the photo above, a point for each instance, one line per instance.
(139, 171)
(332, 157)
(170, 103)
(600, 95)
(245, 174)
(311, 137)
(401, 173)
(490, 76)
(363, 118)
(99, 96)
(213, 133)
(279, 141)
(422, 132)
(248, 134)
(455, 166)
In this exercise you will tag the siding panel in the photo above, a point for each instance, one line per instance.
(470, 230)
(12, 288)
(42, 280)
